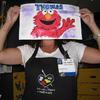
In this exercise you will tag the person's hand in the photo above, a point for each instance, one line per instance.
(12, 14)
(87, 17)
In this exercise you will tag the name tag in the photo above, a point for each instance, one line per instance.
(66, 67)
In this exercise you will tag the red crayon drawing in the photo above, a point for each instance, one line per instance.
(47, 24)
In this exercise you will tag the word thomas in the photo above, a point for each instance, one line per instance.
(48, 6)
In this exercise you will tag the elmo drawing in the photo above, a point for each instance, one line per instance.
(48, 24)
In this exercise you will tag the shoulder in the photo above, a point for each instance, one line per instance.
(26, 48)
(73, 45)
(76, 50)
(26, 52)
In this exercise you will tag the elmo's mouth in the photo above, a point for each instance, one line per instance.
(47, 22)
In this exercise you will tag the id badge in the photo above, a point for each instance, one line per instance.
(66, 67)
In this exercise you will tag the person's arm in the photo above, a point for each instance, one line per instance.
(12, 16)
(88, 18)
(91, 55)
(11, 55)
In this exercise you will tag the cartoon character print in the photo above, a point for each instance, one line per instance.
(47, 24)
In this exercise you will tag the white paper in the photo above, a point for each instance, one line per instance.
(49, 21)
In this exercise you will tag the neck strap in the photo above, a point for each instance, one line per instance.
(36, 50)
(65, 54)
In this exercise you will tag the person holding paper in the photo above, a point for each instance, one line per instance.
(51, 67)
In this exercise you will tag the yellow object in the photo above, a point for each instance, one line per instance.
(18, 85)
(88, 84)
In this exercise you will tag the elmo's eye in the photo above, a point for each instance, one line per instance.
(44, 12)
(50, 11)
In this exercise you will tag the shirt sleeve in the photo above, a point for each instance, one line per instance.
(26, 52)
(75, 50)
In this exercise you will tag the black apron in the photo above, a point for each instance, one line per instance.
(43, 81)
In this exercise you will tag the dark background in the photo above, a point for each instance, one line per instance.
(12, 40)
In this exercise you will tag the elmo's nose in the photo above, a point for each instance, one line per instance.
(47, 16)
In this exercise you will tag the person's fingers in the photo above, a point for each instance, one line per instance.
(85, 11)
